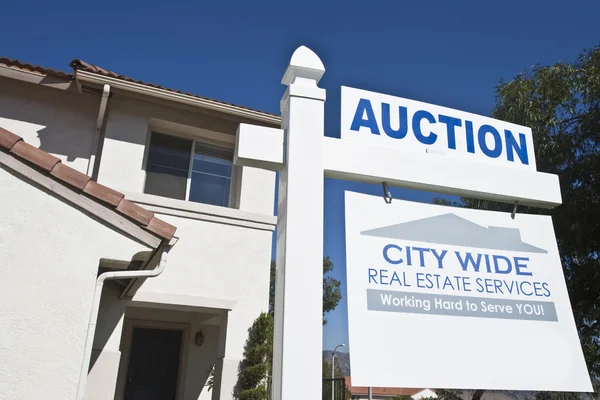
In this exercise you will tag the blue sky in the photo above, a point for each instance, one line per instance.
(448, 53)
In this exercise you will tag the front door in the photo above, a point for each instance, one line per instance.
(153, 369)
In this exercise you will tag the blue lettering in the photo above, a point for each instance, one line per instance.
(464, 263)
(439, 257)
(466, 282)
(372, 275)
(511, 287)
(451, 123)
(497, 150)
(524, 292)
(364, 106)
(430, 285)
(546, 290)
(479, 285)
(447, 282)
(508, 266)
(416, 124)
(498, 286)
(421, 250)
(511, 147)
(470, 139)
(395, 278)
(402, 122)
(408, 256)
(386, 250)
(488, 267)
(420, 279)
(518, 266)
(383, 276)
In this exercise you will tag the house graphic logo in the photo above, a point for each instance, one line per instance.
(450, 229)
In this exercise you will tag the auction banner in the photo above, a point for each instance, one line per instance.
(455, 298)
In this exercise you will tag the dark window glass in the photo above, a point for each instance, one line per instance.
(167, 167)
(211, 174)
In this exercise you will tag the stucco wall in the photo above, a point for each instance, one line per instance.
(115, 319)
(57, 121)
(106, 354)
(127, 133)
(49, 253)
(219, 261)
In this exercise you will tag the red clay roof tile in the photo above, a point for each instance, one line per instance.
(135, 212)
(70, 176)
(34, 68)
(8, 139)
(78, 64)
(15, 145)
(105, 194)
(34, 155)
(161, 228)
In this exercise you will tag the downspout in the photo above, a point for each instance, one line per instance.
(98, 138)
(91, 331)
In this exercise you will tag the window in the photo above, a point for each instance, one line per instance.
(188, 169)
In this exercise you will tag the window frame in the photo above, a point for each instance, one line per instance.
(235, 171)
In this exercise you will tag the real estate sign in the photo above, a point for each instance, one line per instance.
(446, 297)
(389, 121)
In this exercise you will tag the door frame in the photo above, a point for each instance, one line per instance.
(129, 324)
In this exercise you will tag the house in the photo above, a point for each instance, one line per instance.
(377, 393)
(134, 254)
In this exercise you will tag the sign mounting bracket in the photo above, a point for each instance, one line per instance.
(387, 196)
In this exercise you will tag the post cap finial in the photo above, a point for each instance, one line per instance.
(304, 64)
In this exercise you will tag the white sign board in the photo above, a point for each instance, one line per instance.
(394, 122)
(444, 297)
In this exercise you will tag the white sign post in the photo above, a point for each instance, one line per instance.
(487, 159)
(299, 283)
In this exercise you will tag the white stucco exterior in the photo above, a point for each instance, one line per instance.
(61, 122)
(217, 276)
(129, 124)
(49, 254)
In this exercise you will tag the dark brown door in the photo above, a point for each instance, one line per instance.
(153, 364)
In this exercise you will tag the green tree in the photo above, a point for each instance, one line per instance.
(257, 362)
(331, 289)
(258, 355)
(337, 371)
(561, 104)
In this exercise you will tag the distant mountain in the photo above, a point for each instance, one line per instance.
(341, 359)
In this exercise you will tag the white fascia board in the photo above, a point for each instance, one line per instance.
(353, 161)
(190, 209)
(259, 147)
(36, 78)
(177, 97)
(181, 302)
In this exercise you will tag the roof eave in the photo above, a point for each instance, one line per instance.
(90, 77)
(49, 80)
